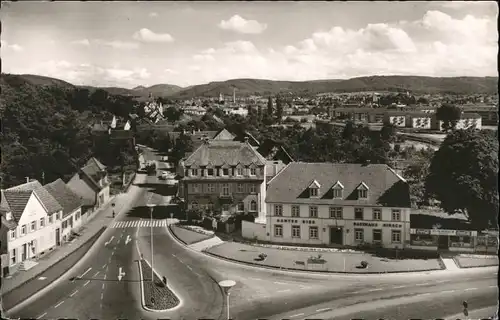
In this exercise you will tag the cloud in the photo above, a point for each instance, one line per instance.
(241, 25)
(118, 44)
(14, 47)
(83, 42)
(170, 71)
(147, 35)
(85, 73)
(153, 15)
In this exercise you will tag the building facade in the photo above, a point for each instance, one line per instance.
(33, 219)
(336, 204)
(226, 177)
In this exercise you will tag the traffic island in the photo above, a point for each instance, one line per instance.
(156, 294)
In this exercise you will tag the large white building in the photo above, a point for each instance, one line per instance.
(31, 224)
(335, 204)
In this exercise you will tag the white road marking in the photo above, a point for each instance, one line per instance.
(441, 281)
(470, 289)
(378, 289)
(102, 295)
(174, 255)
(42, 278)
(356, 292)
(259, 279)
(74, 292)
(86, 283)
(88, 270)
(104, 266)
(112, 253)
(448, 291)
(423, 284)
(286, 290)
(425, 294)
(189, 268)
(297, 315)
(95, 274)
(277, 282)
(324, 309)
(398, 287)
(42, 315)
(105, 275)
(57, 305)
(493, 287)
(103, 286)
(305, 287)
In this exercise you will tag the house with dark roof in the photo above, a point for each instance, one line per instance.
(224, 177)
(71, 204)
(272, 150)
(91, 184)
(336, 204)
(31, 225)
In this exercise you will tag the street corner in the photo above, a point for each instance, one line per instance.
(188, 234)
(156, 295)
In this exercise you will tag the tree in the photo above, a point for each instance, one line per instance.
(449, 115)
(388, 132)
(172, 114)
(415, 174)
(463, 176)
(279, 109)
(259, 112)
(270, 106)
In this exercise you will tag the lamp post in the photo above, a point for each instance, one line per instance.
(226, 285)
(151, 209)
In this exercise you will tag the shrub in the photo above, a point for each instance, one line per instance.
(364, 264)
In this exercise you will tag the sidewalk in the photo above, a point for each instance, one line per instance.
(100, 218)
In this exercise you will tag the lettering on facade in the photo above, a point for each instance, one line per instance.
(462, 233)
(287, 220)
(422, 231)
(391, 225)
(365, 224)
(309, 221)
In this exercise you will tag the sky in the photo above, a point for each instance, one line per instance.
(128, 44)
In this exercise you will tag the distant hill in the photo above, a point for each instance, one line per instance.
(415, 84)
(37, 80)
(158, 90)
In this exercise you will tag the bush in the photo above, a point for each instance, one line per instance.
(364, 264)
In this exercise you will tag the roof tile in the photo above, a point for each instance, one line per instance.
(45, 197)
(64, 195)
(220, 152)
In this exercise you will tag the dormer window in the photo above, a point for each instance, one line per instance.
(338, 190)
(194, 172)
(314, 189)
(210, 172)
(362, 191)
(225, 171)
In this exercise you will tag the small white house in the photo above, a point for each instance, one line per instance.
(31, 225)
(71, 204)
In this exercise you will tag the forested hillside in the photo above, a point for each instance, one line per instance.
(46, 129)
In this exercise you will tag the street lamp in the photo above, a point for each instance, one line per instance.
(226, 285)
(151, 209)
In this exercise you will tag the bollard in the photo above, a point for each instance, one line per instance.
(164, 281)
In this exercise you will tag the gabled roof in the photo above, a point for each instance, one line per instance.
(386, 187)
(224, 135)
(219, 152)
(15, 201)
(47, 200)
(64, 195)
(362, 186)
(93, 170)
(314, 184)
(338, 185)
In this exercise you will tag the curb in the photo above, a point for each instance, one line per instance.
(292, 269)
(457, 262)
(185, 243)
(143, 299)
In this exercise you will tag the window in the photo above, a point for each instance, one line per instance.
(362, 194)
(359, 234)
(295, 211)
(358, 213)
(210, 188)
(336, 212)
(241, 206)
(313, 212)
(210, 172)
(313, 192)
(194, 172)
(240, 187)
(396, 215)
(396, 236)
(186, 172)
(278, 230)
(295, 231)
(337, 193)
(313, 232)
(196, 188)
(377, 235)
(194, 204)
(253, 189)
(253, 171)
(33, 226)
(202, 171)
(13, 256)
(225, 172)
(225, 189)
(253, 205)
(13, 234)
(278, 210)
(51, 218)
(239, 171)
(42, 222)
(377, 214)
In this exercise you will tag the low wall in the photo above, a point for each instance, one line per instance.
(251, 230)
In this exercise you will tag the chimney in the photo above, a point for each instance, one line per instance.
(206, 140)
(246, 139)
(192, 132)
(27, 179)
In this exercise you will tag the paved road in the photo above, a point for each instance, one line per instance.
(98, 294)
